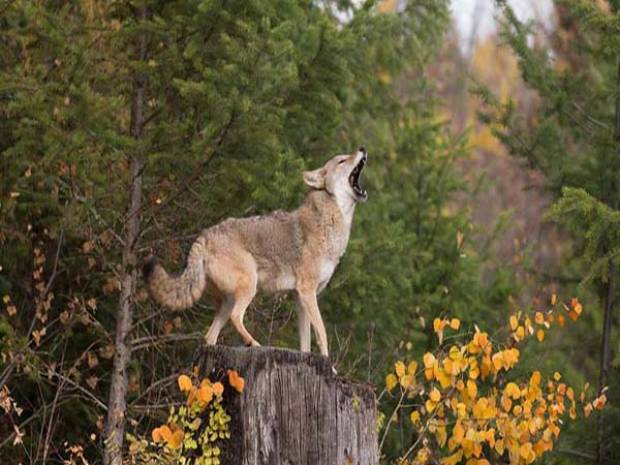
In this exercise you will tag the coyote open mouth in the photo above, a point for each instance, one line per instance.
(354, 179)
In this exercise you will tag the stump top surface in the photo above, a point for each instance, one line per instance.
(251, 360)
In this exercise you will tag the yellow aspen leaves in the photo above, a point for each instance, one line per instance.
(204, 394)
(439, 324)
(514, 323)
(452, 459)
(472, 389)
(599, 402)
(161, 434)
(176, 439)
(576, 305)
(218, 388)
(477, 462)
(391, 381)
(171, 435)
(519, 334)
(526, 452)
(561, 320)
(429, 365)
(403, 375)
(185, 428)
(512, 390)
(476, 417)
(441, 435)
(445, 380)
(506, 403)
(185, 383)
(458, 433)
(406, 381)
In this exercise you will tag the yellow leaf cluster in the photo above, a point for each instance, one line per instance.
(403, 375)
(440, 323)
(201, 395)
(521, 325)
(172, 435)
(468, 414)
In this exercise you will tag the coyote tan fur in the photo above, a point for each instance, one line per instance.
(282, 251)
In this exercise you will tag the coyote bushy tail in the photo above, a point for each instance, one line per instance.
(182, 291)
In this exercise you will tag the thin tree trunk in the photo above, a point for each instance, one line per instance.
(607, 324)
(610, 296)
(117, 403)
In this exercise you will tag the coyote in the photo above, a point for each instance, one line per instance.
(282, 251)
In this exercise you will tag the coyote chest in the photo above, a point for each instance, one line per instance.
(315, 240)
(337, 238)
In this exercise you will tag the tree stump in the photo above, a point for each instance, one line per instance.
(293, 410)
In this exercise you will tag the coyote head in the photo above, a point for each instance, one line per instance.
(340, 176)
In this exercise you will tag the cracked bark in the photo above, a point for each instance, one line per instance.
(293, 410)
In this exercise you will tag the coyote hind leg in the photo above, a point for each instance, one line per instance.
(235, 276)
(242, 299)
(225, 306)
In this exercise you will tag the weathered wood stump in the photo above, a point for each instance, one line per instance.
(293, 410)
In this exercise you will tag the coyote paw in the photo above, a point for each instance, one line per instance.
(253, 344)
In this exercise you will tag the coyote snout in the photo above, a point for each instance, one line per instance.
(282, 251)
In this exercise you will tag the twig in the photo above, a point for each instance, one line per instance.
(87, 393)
(153, 386)
(152, 341)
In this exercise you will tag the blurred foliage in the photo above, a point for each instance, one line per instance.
(241, 97)
(571, 139)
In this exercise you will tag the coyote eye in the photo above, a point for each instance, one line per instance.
(341, 161)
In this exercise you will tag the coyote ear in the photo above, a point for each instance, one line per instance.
(315, 179)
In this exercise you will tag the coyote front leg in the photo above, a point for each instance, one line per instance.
(311, 309)
(303, 324)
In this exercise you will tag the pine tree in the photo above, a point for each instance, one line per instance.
(574, 143)
(128, 127)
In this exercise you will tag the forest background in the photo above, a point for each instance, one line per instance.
(126, 127)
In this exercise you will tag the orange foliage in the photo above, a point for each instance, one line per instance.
(198, 398)
(235, 380)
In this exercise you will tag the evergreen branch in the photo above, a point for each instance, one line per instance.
(188, 183)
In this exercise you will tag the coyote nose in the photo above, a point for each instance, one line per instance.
(363, 150)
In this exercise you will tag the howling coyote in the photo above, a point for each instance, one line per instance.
(282, 251)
